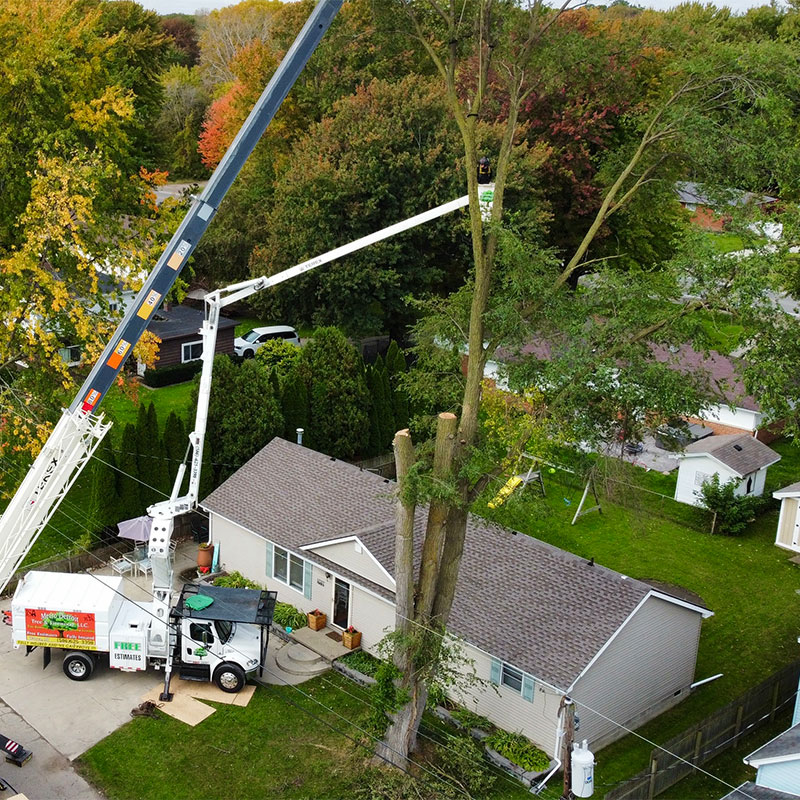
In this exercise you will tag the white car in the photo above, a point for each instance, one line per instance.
(246, 346)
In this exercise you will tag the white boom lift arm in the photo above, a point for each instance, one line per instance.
(164, 513)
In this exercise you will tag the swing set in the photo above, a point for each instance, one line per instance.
(534, 475)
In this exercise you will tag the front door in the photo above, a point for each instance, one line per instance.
(341, 603)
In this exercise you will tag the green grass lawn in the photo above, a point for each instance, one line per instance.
(123, 408)
(272, 748)
(726, 242)
(747, 581)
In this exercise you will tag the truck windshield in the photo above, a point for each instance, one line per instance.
(224, 629)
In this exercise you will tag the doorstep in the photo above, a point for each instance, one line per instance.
(320, 643)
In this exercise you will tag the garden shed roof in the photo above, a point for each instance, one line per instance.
(545, 610)
(739, 452)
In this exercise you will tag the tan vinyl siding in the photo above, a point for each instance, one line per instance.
(538, 720)
(346, 555)
(637, 675)
(240, 550)
(372, 615)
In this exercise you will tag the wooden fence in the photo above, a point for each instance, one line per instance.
(702, 742)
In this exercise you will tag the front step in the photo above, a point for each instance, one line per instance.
(298, 660)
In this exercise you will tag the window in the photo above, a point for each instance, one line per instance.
(701, 477)
(71, 355)
(520, 682)
(191, 351)
(511, 677)
(197, 632)
(288, 568)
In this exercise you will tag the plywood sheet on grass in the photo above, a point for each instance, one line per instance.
(186, 706)
(182, 707)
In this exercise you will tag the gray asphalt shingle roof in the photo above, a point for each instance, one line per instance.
(181, 321)
(751, 791)
(739, 451)
(784, 744)
(542, 609)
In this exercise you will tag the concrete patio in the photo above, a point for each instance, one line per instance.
(321, 643)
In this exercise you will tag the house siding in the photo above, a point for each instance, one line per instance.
(637, 675)
(538, 720)
(346, 555)
(169, 351)
(786, 524)
(783, 777)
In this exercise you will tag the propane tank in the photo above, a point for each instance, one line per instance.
(582, 770)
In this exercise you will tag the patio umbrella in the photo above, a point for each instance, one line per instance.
(137, 529)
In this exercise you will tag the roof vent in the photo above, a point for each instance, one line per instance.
(737, 447)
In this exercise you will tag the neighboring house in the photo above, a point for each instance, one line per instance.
(736, 411)
(737, 457)
(788, 535)
(705, 212)
(537, 621)
(178, 327)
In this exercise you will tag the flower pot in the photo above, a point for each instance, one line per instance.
(351, 640)
(205, 555)
(317, 621)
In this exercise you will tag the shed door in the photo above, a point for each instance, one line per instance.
(796, 529)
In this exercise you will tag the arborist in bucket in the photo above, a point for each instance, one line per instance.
(484, 170)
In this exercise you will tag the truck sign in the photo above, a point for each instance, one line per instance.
(70, 629)
(128, 654)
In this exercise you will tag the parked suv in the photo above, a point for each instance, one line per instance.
(247, 345)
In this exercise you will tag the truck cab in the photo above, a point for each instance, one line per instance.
(223, 640)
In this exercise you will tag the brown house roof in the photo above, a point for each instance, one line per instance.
(738, 451)
(542, 609)
(180, 321)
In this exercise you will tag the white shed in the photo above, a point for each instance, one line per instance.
(737, 456)
(788, 535)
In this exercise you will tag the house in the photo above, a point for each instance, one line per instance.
(788, 535)
(178, 328)
(536, 621)
(705, 210)
(733, 456)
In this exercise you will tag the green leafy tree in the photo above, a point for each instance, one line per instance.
(175, 442)
(279, 356)
(294, 402)
(130, 504)
(333, 373)
(732, 512)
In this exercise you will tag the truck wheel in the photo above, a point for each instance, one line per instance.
(78, 666)
(229, 677)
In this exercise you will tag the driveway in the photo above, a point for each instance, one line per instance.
(72, 716)
(48, 774)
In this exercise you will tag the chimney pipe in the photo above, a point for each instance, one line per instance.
(299, 436)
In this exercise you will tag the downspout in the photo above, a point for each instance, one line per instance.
(559, 740)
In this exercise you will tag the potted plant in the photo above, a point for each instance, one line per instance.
(317, 620)
(351, 638)
(205, 554)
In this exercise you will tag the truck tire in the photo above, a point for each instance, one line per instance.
(229, 677)
(78, 666)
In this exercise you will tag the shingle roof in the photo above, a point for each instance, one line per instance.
(792, 490)
(181, 321)
(784, 744)
(540, 608)
(751, 791)
(739, 451)
(689, 192)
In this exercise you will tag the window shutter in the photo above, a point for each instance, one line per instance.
(270, 558)
(527, 687)
(494, 676)
(307, 568)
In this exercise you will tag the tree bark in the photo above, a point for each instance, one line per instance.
(405, 509)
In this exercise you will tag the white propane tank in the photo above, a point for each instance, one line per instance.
(582, 770)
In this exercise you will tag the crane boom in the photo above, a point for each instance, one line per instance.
(80, 430)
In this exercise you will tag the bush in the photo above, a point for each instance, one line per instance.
(362, 662)
(287, 616)
(469, 719)
(515, 747)
(236, 581)
(166, 376)
(460, 756)
(732, 512)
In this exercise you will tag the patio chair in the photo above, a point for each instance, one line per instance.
(122, 566)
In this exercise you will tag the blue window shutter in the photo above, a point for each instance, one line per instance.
(307, 579)
(270, 557)
(527, 687)
(494, 675)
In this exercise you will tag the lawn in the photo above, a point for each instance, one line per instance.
(747, 581)
(124, 408)
(288, 743)
(726, 242)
